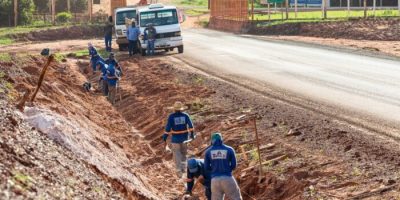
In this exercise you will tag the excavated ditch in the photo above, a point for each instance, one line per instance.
(304, 155)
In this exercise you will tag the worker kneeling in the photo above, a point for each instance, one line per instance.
(197, 170)
(220, 159)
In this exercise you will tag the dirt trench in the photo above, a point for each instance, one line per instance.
(305, 155)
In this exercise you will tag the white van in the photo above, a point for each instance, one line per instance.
(166, 21)
(120, 26)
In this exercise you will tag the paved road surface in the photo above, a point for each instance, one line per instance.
(354, 83)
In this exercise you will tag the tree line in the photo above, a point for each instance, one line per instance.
(26, 9)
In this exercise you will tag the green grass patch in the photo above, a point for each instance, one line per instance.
(336, 14)
(85, 53)
(191, 2)
(5, 57)
(196, 11)
(6, 41)
(59, 57)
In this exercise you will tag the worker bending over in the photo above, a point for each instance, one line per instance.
(197, 170)
(94, 56)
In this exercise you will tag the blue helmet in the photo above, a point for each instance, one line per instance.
(192, 165)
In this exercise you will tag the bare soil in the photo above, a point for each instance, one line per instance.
(306, 155)
(369, 29)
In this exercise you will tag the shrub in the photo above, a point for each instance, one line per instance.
(63, 17)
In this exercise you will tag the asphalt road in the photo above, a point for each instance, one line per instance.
(368, 86)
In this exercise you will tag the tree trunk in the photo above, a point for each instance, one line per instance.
(15, 12)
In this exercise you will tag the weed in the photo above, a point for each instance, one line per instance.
(254, 155)
(5, 57)
(97, 189)
(356, 171)
(2, 74)
(6, 41)
(23, 179)
(59, 57)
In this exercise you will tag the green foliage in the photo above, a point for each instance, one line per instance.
(192, 2)
(6, 41)
(63, 17)
(59, 57)
(25, 10)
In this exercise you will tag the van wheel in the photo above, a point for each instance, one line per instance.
(180, 49)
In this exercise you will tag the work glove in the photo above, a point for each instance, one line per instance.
(164, 137)
(192, 135)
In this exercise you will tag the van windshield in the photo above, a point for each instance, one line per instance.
(125, 14)
(159, 17)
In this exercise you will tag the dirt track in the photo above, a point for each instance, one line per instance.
(322, 158)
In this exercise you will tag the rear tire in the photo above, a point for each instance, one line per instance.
(180, 49)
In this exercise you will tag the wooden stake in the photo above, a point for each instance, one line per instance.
(258, 146)
(252, 10)
(39, 84)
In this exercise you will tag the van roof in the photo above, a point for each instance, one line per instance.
(126, 8)
(164, 7)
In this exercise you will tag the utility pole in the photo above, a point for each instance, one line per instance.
(15, 12)
(365, 9)
(53, 12)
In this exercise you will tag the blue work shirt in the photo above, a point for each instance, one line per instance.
(200, 172)
(103, 69)
(179, 125)
(132, 33)
(220, 159)
(111, 78)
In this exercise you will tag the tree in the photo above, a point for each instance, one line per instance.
(42, 6)
(25, 11)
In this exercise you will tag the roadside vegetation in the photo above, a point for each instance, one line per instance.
(317, 15)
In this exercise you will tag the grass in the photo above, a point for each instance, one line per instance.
(202, 3)
(5, 57)
(6, 32)
(196, 11)
(336, 14)
(85, 53)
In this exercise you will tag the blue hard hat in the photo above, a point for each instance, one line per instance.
(192, 165)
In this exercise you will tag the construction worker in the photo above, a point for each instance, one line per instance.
(103, 82)
(108, 30)
(111, 61)
(112, 80)
(197, 170)
(220, 159)
(150, 36)
(132, 33)
(94, 56)
(180, 126)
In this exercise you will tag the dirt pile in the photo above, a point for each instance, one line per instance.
(33, 166)
(64, 33)
(370, 29)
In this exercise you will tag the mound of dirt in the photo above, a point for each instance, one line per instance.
(64, 33)
(360, 29)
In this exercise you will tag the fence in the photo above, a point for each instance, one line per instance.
(76, 17)
(229, 15)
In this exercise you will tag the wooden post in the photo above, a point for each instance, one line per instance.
(374, 7)
(252, 10)
(258, 147)
(69, 5)
(269, 12)
(398, 5)
(287, 9)
(39, 84)
(295, 9)
(348, 8)
(53, 12)
(15, 12)
(90, 10)
(324, 15)
(365, 9)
